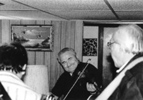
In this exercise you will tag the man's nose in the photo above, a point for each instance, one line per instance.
(68, 63)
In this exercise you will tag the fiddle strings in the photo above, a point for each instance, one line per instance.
(76, 80)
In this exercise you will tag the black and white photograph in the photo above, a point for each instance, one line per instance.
(71, 49)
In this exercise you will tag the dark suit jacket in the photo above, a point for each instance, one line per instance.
(79, 91)
(131, 86)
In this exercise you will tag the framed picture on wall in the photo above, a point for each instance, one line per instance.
(33, 37)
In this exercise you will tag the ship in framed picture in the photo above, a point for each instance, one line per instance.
(33, 37)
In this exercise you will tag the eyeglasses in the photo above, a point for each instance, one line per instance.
(109, 44)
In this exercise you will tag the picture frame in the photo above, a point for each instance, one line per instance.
(33, 37)
(89, 47)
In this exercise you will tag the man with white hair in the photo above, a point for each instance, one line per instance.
(70, 86)
(126, 47)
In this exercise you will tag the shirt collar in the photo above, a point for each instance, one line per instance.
(119, 70)
(9, 74)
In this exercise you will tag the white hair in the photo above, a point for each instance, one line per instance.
(135, 38)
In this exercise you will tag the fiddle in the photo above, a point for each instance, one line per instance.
(80, 74)
(96, 93)
(84, 75)
(90, 79)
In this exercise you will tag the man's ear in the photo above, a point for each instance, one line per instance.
(59, 62)
(24, 67)
(22, 73)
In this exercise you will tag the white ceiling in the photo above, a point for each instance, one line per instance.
(97, 10)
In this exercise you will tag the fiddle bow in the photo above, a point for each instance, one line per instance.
(76, 80)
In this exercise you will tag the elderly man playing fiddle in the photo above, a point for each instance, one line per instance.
(70, 86)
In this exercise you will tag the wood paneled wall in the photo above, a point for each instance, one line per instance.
(66, 34)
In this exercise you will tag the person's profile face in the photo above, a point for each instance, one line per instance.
(69, 61)
(117, 53)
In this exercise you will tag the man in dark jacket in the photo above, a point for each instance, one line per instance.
(126, 47)
(67, 85)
